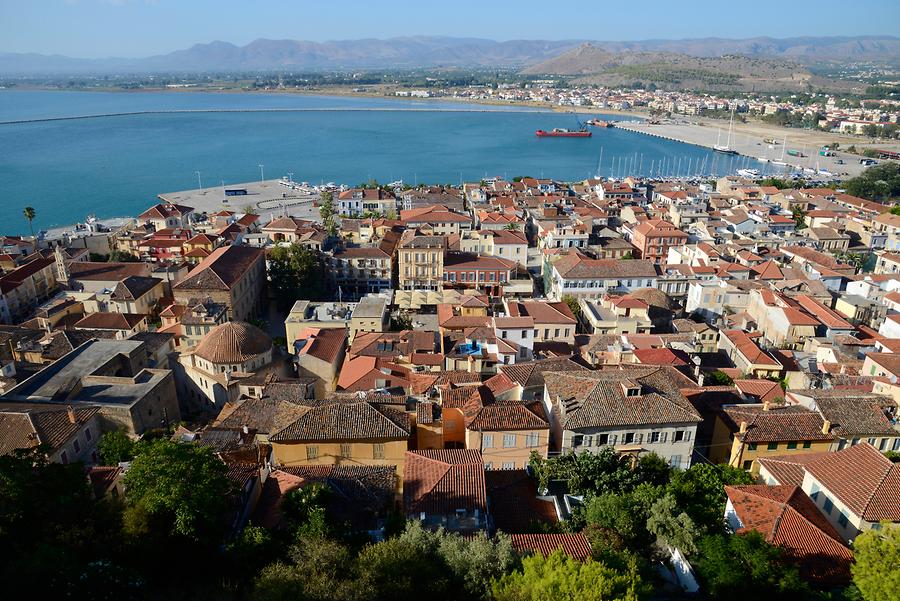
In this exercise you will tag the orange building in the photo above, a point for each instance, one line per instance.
(654, 237)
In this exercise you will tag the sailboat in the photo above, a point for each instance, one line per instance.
(727, 149)
(780, 162)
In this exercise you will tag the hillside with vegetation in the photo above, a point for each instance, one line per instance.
(592, 65)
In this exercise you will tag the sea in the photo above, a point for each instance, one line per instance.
(72, 154)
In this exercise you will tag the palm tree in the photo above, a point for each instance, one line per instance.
(30, 213)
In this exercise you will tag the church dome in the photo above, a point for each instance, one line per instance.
(233, 342)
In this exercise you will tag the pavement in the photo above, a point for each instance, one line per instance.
(268, 198)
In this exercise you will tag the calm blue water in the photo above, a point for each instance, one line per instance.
(115, 166)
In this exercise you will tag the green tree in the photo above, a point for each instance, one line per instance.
(876, 571)
(30, 214)
(894, 456)
(624, 513)
(321, 570)
(879, 182)
(327, 213)
(511, 227)
(561, 578)
(745, 566)
(718, 378)
(594, 473)
(895, 210)
(120, 256)
(115, 447)
(177, 490)
(573, 305)
(700, 492)
(403, 321)
(400, 569)
(672, 526)
(52, 530)
(295, 273)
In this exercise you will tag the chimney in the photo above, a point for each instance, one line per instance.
(767, 406)
(246, 430)
(743, 427)
(826, 427)
(71, 413)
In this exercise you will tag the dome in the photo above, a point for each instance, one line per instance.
(233, 342)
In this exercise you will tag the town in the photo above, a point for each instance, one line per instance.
(689, 387)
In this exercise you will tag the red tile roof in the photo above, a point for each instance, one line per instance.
(787, 518)
(438, 482)
(866, 481)
(575, 546)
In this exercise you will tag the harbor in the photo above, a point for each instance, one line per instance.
(770, 158)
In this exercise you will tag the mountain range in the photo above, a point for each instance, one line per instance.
(427, 51)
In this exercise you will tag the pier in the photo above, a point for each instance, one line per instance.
(274, 110)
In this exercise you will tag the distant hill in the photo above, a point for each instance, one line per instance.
(592, 64)
(426, 51)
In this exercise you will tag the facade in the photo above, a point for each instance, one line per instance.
(69, 433)
(234, 276)
(420, 261)
(653, 239)
(633, 409)
(578, 276)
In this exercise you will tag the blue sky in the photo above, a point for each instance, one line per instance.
(132, 28)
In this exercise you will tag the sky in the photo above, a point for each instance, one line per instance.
(137, 28)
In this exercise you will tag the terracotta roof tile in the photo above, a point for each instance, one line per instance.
(575, 546)
(438, 482)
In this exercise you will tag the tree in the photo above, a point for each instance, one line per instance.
(628, 255)
(511, 227)
(745, 566)
(718, 378)
(327, 213)
(594, 473)
(624, 513)
(120, 256)
(51, 529)
(700, 492)
(295, 273)
(403, 321)
(879, 182)
(30, 214)
(322, 569)
(400, 569)
(574, 307)
(116, 447)
(671, 526)
(895, 210)
(177, 490)
(894, 456)
(562, 578)
(876, 571)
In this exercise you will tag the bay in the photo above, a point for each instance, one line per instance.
(115, 166)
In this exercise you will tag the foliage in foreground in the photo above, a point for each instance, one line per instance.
(561, 578)
(876, 571)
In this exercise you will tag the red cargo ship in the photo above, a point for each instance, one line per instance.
(559, 132)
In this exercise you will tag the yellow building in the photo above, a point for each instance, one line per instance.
(744, 433)
(421, 261)
(336, 433)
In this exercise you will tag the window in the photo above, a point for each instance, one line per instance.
(807, 444)
(747, 465)
(64, 458)
(883, 445)
(77, 446)
(654, 437)
(588, 441)
(487, 441)
(791, 446)
(842, 519)
(525, 334)
(827, 506)
(896, 445)
(576, 440)
(509, 440)
(532, 439)
(556, 333)
(772, 446)
(345, 450)
(488, 465)
(629, 438)
(378, 451)
(509, 465)
(751, 446)
(312, 452)
(503, 334)
(87, 434)
(675, 461)
(814, 491)
(681, 435)
(602, 439)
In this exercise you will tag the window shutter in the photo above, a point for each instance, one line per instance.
(687, 435)
(663, 436)
(612, 439)
(638, 438)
